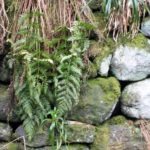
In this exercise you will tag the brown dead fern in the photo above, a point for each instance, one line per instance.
(3, 24)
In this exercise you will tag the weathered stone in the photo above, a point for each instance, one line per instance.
(5, 132)
(6, 105)
(135, 100)
(104, 66)
(76, 133)
(118, 137)
(132, 61)
(94, 4)
(5, 72)
(80, 132)
(68, 147)
(97, 101)
(145, 26)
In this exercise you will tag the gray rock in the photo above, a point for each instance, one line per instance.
(5, 72)
(118, 137)
(6, 105)
(5, 132)
(68, 147)
(135, 100)
(76, 133)
(130, 63)
(104, 66)
(97, 101)
(145, 27)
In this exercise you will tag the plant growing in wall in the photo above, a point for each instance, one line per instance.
(48, 59)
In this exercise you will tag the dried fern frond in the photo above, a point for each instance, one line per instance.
(124, 16)
(54, 14)
(3, 24)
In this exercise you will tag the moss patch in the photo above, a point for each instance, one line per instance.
(111, 88)
(138, 41)
(101, 141)
(117, 120)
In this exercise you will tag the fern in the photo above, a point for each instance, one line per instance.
(31, 77)
(67, 82)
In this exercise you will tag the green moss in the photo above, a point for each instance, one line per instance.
(117, 120)
(101, 21)
(106, 49)
(138, 41)
(94, 4)
(101, 141)
(91, 70)
(111, 88)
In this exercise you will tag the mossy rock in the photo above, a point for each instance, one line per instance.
(94, 4)
(11, 146)
(6, 105)
(67, 147)
(131, 59)
(97, 101)
(117, 120)
(98, 53)
(118, 137)
(76, 132)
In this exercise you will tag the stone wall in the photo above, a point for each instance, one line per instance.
(113, 102)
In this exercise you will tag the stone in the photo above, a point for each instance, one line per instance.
(6, 105)
(94, 4)
(131, 63)
(135, 100)
(145, 27)
(97, 101)
(104, 66)
(76, 133)
(68, 147)
(5, 72)
(118, 137)
(5, 132)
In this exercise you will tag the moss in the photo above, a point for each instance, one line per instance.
(138, 41)
(91, 70)
(117, 120)
(101, 141)
(111, 88)
(101, 21)
(94, 4)
(106, 49)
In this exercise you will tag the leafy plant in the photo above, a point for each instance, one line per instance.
(31, 82)
(67, 82)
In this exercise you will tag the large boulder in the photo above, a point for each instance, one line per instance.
(5, 132)
(135, 100)
(6, 105)
(97, 101)
(145, 27)
(118, 137)
(76, 132)
(131, 61)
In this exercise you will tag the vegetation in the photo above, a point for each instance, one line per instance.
(49, 40)
(124, 16)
